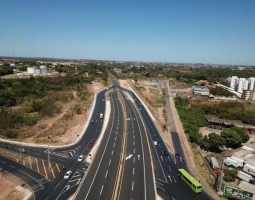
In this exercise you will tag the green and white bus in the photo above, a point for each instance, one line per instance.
(189, 180)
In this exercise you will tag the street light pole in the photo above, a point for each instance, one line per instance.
(49, 164)
(20, 150)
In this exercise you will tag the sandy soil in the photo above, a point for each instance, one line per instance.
(65, 127)
(8, 183)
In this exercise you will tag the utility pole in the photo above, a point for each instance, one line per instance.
(20, 150)
(49, 164)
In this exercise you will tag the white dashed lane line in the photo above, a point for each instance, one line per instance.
(106, 174)
(101, 189)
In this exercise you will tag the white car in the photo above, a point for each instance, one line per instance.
(155, 143)
(67, 175)
(80, 158)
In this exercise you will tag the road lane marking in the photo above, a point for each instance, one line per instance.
(133, 171)
(37, 165)
(170, 178)
(12, 166)
(30, 162)
(134, 143)
(45, 169)
(170, 168)
(101, 189)
(174, 179)
(133, 159)
(58, 167)
(133, 150)
(106, 174)
(112, 152)
(132, 185)
(52, 172)
(110, 161)
(115, 138)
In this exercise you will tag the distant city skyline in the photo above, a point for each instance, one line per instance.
(183, 31)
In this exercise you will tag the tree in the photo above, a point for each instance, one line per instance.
(244, 136)
(231, 137)
(230, 175)
(213, 142)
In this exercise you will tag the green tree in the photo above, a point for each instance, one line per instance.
(232, 138)
(216, 142)
(230, 175)
(244, 136)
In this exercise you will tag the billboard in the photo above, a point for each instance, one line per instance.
(237, 193)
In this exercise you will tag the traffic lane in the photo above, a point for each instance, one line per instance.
(94, 168)
(148, 171)
(165, 163)
(133, 180)
(35, 181)
(105, 181)
(64, 187)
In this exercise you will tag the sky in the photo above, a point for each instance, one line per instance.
(184, 31)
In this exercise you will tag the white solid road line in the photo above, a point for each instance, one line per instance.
(106, 174)
(101, 189)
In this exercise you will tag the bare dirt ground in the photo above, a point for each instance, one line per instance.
(8, 183)
(66, 126)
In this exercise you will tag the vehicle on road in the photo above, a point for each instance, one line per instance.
(80, 158)
(68, 174)
(91, 144)
(23, 150)
(189, 180)
(165, 153)
(177, 155)
(101, 115)
(155, 143)
(91, 122)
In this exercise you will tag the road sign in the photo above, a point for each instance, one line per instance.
(237, 193)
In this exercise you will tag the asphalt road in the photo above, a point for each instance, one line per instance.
(101, 178)
(137, 181)
(165, 164)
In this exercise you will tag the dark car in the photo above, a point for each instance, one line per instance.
(91, 122)
(177, 155)
(165, 153)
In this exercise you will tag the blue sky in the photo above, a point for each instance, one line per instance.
(207, 31)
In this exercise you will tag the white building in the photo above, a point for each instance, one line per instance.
(252, 83)
(242, 85)
(234, 82)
